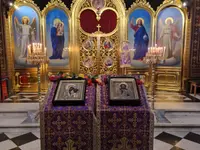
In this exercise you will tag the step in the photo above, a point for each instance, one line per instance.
(177, 119)
(19, 120)
(18, 107)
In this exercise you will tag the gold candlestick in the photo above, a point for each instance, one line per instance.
(37, 56)
(153, 57)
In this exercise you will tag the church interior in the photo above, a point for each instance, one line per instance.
(99, 75)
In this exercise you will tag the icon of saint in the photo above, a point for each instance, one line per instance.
(57, 39)
(26, 34)
(169, 36)
(71, 91)
(123, 90)
(141, 40)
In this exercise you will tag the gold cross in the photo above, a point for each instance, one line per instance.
(99, 27)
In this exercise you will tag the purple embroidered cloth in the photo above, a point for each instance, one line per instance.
(70, 127)
(126, 127)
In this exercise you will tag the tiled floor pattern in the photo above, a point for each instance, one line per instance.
(164, 96)
(162, 141)
(23, 97)
(161, 96)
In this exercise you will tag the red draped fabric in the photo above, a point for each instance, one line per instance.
(88, 21)
(108, 21)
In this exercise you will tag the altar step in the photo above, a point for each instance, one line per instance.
(24, 98)
(167, 115)
(18, 115)
(177, 119)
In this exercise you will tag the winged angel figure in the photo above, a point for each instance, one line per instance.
(170, 37)
(26, 34)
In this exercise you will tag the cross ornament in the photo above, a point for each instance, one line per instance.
(59, 123)
(99, 27)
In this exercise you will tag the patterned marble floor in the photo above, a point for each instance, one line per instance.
(161, 96)
(163, 140)
(24, 98)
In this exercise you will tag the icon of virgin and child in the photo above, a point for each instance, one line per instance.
(57, 39)
(141, 38)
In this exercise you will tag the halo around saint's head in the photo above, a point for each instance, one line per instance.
(69, 86)
(140, 19)
(123, 83)
(169, 18)
(56, 21)
(26, 17)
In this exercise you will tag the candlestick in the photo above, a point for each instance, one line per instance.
(153, 56)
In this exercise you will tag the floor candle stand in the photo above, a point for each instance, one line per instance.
(152, 58)
(37, 56)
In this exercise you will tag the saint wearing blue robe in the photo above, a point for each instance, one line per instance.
(141, 40)
(58, 41)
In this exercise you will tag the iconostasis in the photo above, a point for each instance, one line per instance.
(88, 38)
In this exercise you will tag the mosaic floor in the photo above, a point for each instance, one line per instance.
(164, 140)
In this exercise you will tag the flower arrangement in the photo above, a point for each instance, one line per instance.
(90, 79)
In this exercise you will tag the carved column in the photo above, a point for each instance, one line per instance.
(195, 41)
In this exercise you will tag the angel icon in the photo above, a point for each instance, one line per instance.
(26, 34)
(169, 35)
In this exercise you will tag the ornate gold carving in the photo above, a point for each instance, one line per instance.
(55, 4)
(109, 3)
(51, 5)
(98, 33)
(98, 55)
(141, 4)
(166, 3)
(79, 37)
(171, 71)
(86, 54)
(11, 47)
(114, 54)
(173, 79)
(25, 3)
(86, 4)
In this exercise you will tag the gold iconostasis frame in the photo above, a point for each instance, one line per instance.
(167, 78)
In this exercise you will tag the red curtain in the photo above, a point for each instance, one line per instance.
(108, 21)
(88, 21)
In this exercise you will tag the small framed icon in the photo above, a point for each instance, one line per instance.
(123, 91)
(70, 92)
